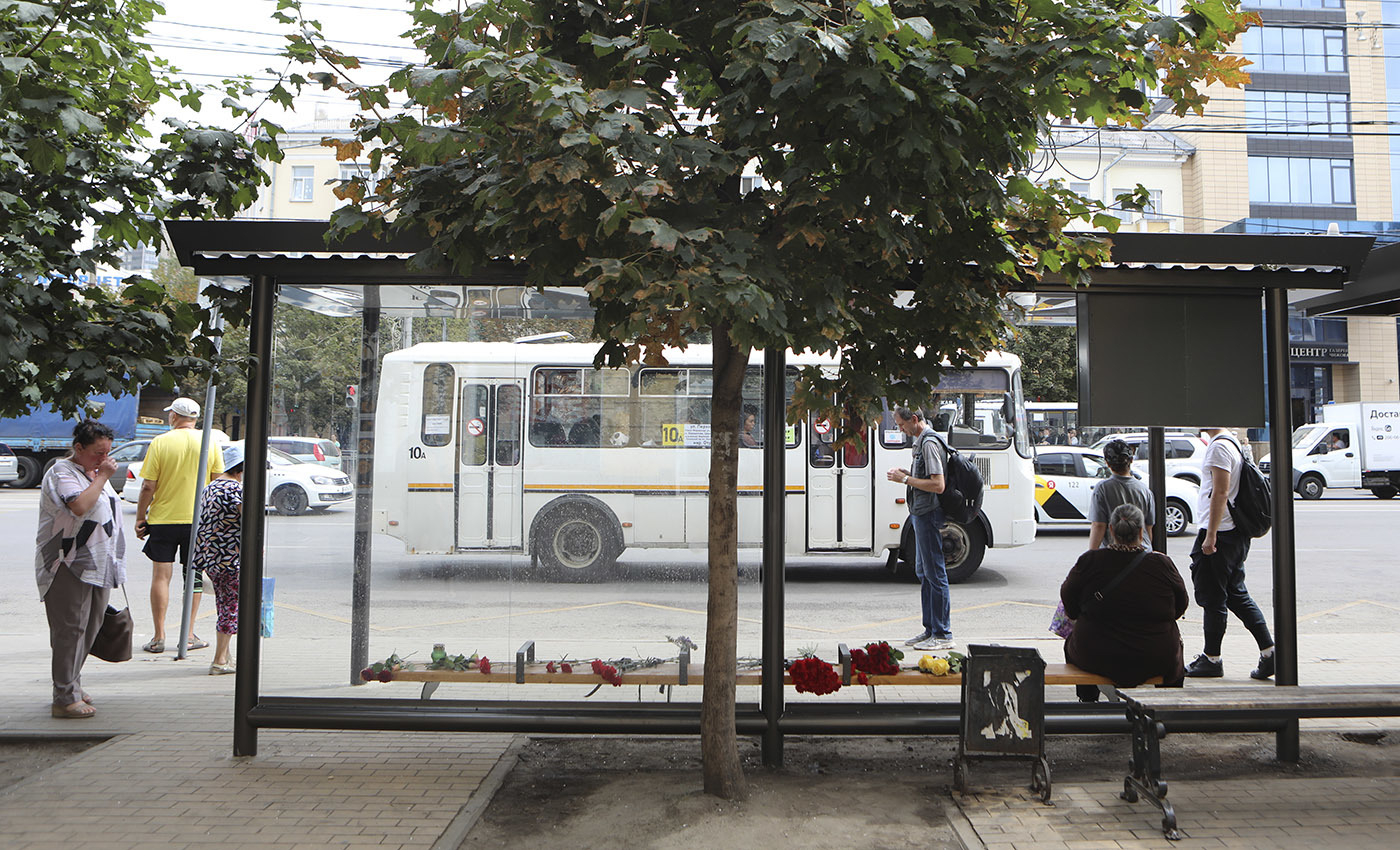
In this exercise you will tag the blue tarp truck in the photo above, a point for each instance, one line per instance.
(44, 436)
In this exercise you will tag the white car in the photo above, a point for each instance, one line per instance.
(293, 487)
(1184, 451)
(9, 467)
(1065, 478)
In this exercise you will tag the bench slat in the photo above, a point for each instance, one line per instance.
(1317, 700)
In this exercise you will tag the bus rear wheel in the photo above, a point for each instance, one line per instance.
(964, 546)
(576, 542)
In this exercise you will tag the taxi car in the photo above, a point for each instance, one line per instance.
(1065, 478)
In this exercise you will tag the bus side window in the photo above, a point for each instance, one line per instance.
(437, 405)
(508, 412)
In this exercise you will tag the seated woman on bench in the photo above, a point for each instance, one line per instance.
(1129, 635)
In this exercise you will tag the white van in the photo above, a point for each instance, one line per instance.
(1355, 446)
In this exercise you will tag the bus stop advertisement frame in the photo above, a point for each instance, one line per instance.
(297, 254)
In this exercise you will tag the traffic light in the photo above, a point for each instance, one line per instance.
(351, 395)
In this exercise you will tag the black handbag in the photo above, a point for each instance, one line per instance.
(113, 641)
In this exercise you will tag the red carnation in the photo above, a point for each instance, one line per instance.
(386, 675)
(566, 666)
(549, 668)
(367, 674)
(484, 665)
(607, 672)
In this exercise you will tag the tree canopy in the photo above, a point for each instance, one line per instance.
(843, 177)
(82, 178)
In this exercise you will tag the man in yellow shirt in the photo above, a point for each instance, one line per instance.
(165, 510)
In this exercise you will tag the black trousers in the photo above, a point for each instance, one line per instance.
(1218, 579)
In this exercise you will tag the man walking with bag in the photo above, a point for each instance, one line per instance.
(925, 480)
(1217, 562)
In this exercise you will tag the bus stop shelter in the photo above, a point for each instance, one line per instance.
(365, 277)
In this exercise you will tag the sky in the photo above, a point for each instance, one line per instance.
(210, 41)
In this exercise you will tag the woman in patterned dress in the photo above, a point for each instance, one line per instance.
(80, 556)
(218, 549)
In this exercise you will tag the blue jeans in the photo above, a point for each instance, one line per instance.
(932, 573)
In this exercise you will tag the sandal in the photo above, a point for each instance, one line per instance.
(154, 645)
(196, 642)
(77, 711)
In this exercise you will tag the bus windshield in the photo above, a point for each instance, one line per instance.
(971, 409)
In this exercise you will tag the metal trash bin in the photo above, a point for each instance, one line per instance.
(1003, 712)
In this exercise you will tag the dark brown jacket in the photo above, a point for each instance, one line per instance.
(1131, 635)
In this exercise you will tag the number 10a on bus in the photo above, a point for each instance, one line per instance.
(529, 449)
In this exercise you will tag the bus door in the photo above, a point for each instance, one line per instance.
(489, 484)
(840, 491)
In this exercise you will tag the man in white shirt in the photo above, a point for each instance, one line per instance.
(1217, 562)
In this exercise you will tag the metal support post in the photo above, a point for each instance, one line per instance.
(1281, 477)
(1157, 482)
(245, 695)
(364, 484)
(774, 494)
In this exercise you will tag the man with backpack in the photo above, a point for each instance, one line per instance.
(925, 480)
(1217, 561)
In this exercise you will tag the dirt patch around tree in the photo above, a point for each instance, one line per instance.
(22, 758)
(870, 792)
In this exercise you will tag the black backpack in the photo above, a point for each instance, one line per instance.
(1253, 508)
(961, 498)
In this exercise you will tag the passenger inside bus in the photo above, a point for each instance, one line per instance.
(749, 436)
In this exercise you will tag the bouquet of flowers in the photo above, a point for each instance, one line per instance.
(811, 675)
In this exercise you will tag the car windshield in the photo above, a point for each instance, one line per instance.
(329, 448)
(1306, 434)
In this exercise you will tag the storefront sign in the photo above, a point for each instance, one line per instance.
(1329, 352)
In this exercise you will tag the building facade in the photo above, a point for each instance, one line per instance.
(1302, 148)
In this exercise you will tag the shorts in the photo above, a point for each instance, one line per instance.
(166, 541)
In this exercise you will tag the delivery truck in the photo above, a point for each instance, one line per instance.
(40, 438)
(1355, 446)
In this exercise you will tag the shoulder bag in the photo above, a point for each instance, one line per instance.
(1063, 626)
(113, 642)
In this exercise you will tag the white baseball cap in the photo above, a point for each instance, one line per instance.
(184, 407)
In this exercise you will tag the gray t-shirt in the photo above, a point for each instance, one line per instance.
(1120, 490)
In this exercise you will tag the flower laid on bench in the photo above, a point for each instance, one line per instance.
(811, 675)
(383, 671)
(877, 659)
(937, 666)
(608, 672)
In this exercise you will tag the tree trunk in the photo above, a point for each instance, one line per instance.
(719, 746)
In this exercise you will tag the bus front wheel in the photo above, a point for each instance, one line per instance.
(576, 542)
(964, 546)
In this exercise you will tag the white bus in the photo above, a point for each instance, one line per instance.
(528, 448)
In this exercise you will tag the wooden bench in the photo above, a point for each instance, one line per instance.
(527, 670)
(1152, 713)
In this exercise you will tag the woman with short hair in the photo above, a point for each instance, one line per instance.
(80, 555)
(1130, 635)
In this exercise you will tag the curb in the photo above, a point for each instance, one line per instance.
(472, 810)
(963, 829)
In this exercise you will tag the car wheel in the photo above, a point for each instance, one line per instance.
(1178, 517)
(577, 542)
(30, 472)
(289, 500)
(1384, 492)
(1310, 487)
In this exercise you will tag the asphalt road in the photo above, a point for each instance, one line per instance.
(1345, 553)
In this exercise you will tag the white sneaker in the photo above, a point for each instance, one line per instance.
(918, 638)
(935, 644)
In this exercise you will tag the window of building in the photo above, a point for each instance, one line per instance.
(1153, 210)
(303, 182)
(1292, 4)
(1300, 180)
(1297, 113)
(1295, 50)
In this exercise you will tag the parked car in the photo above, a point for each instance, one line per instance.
(9, 467)
(308, 449)
(128, 456)
(1065, 478)
(293, 487)
(1184, 452)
